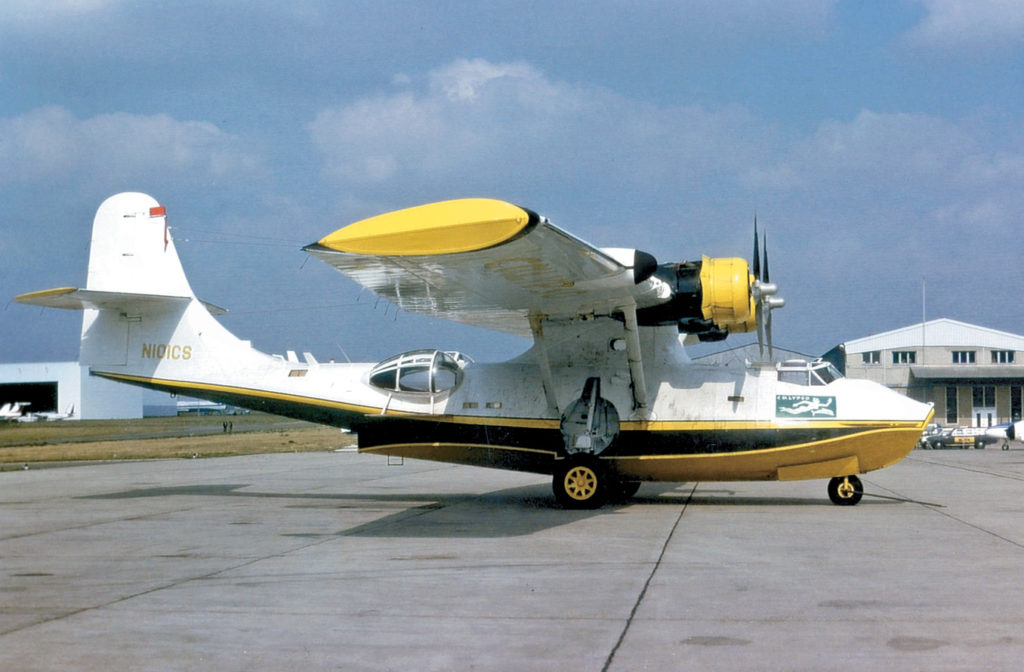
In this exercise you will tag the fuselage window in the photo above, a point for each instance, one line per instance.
(795, 377)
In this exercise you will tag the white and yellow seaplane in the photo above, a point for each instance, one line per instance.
(605, 399)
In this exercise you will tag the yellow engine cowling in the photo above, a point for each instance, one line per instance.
(726, 298)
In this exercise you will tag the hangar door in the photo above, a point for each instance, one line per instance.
(42, 397)
(984, 397)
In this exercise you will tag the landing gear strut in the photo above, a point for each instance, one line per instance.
(589, 426)
(845, 490)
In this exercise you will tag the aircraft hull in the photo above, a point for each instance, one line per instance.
(679, 455)
(643, 451)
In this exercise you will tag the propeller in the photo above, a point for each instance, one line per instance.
(763, 293)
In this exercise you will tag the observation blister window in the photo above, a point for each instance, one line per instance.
(420, 371)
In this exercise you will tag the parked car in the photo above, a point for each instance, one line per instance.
(951, 437)
(933, 429)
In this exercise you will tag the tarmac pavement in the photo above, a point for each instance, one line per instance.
(338, 561)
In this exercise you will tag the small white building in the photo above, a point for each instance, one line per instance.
(973, 375)
(67, 386)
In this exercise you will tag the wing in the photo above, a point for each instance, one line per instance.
(70, 298)
(488, 263)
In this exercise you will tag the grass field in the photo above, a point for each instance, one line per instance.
(175, 437)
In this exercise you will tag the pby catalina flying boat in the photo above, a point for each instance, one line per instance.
(605, 399)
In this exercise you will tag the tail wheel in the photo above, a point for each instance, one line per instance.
(845, 490)
(580, 483)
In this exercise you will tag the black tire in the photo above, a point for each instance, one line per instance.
(580, 482)
(620, 491)
(845, 491)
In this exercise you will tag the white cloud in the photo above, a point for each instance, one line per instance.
(466, 78)
(884, 151)
(50, 145)
(474, 121)
(481, 128)
(979, 25)
(44, 11)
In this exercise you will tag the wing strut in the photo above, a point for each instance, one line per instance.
(635, 358)
(548, 380)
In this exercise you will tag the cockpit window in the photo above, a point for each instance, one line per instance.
(423, 371)
(802, 372)
(826, 373)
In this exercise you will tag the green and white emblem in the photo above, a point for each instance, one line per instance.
(804, 406)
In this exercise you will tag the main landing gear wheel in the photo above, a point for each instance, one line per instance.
(845, 490)
(580, 483)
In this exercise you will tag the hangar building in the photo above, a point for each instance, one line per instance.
(973, 375)
(67, 386)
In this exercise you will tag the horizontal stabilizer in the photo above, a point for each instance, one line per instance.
(71, 298)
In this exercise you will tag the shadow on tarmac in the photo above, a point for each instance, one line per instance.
(512, 512)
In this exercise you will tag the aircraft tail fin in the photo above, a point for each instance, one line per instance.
(139, 307)
(132, 250)
(132, 260)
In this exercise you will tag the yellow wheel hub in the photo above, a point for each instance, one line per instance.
(846, 489)
(581, 483)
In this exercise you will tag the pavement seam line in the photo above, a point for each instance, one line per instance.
(172, 584)
(975, 526)
(643, 592)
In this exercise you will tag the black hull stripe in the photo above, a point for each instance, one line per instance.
(636, 443)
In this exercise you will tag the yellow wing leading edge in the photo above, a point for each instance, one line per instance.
(448, 227)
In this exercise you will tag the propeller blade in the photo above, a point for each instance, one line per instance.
(757, 254)
(755, 290)
(765, 252)
(767, 305)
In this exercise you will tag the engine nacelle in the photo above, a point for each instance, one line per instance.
(710, 298)
(726, 299)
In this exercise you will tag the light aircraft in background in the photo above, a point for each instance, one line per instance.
(605, 399)
(12, 411)
(1015, 432)
(54, 415)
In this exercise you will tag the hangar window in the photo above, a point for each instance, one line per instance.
(872, 357)
(425, 371)
(984, 396)
(963, 356)
(1002, 356)
(951, 405)
(904, 357)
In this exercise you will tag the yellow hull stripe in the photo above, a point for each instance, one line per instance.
(244, 392)
(424, 450)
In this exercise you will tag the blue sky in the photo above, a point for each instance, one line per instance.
(880, 143)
